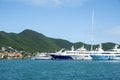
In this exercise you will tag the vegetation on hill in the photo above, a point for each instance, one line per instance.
(31, 41)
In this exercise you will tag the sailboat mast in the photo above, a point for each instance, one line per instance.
(92, 30)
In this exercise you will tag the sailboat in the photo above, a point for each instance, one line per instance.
(101, 54)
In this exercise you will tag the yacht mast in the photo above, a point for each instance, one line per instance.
(92, 31)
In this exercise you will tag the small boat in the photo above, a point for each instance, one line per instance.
(41, 56)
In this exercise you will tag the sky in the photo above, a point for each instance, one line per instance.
(65, 19)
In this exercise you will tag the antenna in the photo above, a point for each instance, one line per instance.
(92, 31)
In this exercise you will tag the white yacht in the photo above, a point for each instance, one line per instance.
(78, 54)
(112, 54)
(115, 51)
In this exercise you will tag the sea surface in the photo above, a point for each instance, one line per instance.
(59, 70)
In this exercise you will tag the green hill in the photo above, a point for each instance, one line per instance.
(32, 41)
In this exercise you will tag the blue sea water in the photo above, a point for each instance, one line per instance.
(59, 70)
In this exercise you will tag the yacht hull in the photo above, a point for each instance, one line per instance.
(72, 57)
(103, 57)
(61, 57)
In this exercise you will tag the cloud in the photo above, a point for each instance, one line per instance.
(52, 3)
(114, 31)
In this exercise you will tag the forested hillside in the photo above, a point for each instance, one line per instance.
(32, 41)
